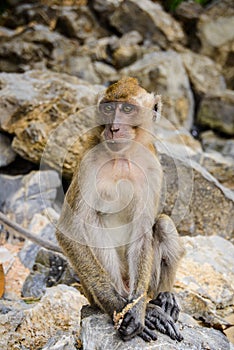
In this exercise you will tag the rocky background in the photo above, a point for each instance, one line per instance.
(55, 58)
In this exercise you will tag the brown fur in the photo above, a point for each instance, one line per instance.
(145, 261)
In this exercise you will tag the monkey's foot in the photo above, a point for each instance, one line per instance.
(157, 318)
(168, 303)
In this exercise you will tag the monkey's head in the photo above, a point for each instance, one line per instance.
(126, 111)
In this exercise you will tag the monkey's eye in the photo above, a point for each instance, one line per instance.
(128, 108)
(107, 108)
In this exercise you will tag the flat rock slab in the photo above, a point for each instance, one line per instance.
(98, 333)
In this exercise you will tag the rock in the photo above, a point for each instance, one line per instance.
(6, 258)
(217, 112)
(177, 141)
(206, 296)
(222, 168)
(39, 103)
(215, 30)
(36, 191)
(148, 18)
(49, 269)
(45, 228)
(212, 142)
(204, 74)
(7, 155)
(194, 199)
(61, 341)
(79, 22)
(31, 328)
(9, 185)
(164, 73)
(98, 333)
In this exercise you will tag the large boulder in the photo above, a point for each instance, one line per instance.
(216, 111)
(164, 73)
(204, 279)
(145, 16)
(31, 327)
(98, 333)
(215, 30)
(36, 103)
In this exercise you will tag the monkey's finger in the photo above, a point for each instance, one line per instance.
(149, 324)
(175, 314)
(148, 335)
(173, 331)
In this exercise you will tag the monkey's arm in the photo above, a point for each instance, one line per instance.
(163, 311)
(95, 280)
(133, 322)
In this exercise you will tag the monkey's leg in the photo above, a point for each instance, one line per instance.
(95, 280)
(163, 311)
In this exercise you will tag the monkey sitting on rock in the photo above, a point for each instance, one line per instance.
(124, 251)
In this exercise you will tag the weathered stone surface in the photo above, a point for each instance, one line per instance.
(49, 269)
(36, 191)
(204, 74)
(148, 18)
(98, 333)
(61, 341)
(213, 142)
(164, 73)
(7, 155)
(215, 30)
(197, 202)
(9, 185)
(205, 279)
(31, 328)
(79, 22)
(39, 103)
(217, 112)
(42, 226)
(222, 168)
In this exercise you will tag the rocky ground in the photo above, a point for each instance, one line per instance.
(55, 59)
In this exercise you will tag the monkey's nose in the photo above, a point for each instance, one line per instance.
(114, 128)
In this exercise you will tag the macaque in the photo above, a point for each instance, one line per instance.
(124, 251)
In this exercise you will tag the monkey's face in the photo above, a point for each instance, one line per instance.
(121, 121)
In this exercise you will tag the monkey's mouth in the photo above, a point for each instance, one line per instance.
(118, 145)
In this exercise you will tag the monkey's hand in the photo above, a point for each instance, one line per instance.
(168, 303)
(157, 318)
(132, 324)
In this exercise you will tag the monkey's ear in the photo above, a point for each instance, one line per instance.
(157, 107)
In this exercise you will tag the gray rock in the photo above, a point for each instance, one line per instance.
(79, 22)
(222, 168)
(41, 102)
(7, 155)
(49, 269)
(217, 112)
(146, 17)
(204, 74)
(61, 341)
(164, 73)
(98, 333)
(31, 328)
(36, 191)
(9, 185)
(212, 142)
(195, 200)
(215, 31)
(204, 279)
(45, 228)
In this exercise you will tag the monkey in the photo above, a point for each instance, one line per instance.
(123, 249)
